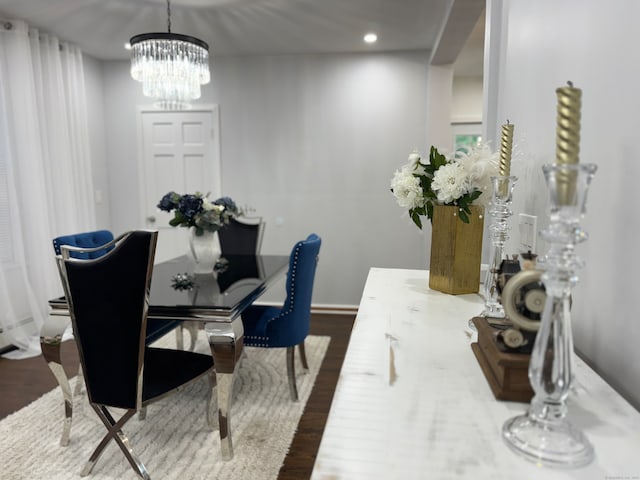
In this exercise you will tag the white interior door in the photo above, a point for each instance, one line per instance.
(180, 151)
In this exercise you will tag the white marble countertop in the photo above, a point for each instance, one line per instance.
(413, 403)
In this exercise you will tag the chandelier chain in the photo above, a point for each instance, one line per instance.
(169, 16)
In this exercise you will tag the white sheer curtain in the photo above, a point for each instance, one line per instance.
(45, 173)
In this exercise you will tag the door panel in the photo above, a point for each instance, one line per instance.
(181, 153)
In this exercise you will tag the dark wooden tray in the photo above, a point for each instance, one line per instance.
(507, 373)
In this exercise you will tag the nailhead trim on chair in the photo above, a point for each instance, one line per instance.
(254, 341)
(294, 268)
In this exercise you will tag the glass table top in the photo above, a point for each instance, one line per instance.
(238, 281)
(178, 292)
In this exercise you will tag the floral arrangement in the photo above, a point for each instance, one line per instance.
(198, 211)
(459, 181)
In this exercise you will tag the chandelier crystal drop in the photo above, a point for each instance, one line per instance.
(170, 66)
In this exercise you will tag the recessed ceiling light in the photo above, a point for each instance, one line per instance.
(370, 38)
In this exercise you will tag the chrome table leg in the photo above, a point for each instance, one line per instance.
(50, 342)
(225, 340)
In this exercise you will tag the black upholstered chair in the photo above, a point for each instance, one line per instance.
(91, 245)
(288, 326)
(109, 298)
(241, 236)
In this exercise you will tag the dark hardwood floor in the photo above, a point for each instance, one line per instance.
(302, 454)
(23, 381)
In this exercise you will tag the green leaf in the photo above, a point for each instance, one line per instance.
(179, 220)
(474, 195)
(436, 159)
(416, 218)
(425, 183)
(430, 210)
(463, 216)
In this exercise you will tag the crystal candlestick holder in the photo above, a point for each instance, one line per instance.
(543, 434)
(501, 198)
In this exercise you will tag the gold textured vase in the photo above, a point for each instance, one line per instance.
(456, 250)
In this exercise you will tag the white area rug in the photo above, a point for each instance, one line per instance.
(174, 441)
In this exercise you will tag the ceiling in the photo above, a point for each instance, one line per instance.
(247, 27)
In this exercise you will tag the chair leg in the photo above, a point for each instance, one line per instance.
(79, 381)
(114, 431)
(51, 353)
(142, 414)
(291, 373)
(212, 402)
(179, 338)
(303, 355)
(192, 328)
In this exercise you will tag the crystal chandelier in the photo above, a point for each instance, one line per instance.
(170, 66)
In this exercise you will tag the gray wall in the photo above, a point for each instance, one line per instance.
(95, 108)
(311, 142)
(542, 45)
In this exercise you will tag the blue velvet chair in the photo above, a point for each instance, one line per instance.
(286, 327)
(125, 373)
(93, 240)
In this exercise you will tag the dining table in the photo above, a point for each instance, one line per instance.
(212, 301)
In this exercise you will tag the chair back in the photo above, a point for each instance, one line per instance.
(108, 299)
(241, 270)
(241, 236)
(84, 240)
(299, 287)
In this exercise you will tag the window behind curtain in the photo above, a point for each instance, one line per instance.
(6, 244)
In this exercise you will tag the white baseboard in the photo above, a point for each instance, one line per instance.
(335, 309)
(327, 309)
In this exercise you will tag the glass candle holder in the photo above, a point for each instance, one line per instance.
(543, 434)
(499, 209)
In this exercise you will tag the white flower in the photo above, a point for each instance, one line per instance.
(480, 164)
(416, 163)
(450, 182)
(406, 188)
(208, 206)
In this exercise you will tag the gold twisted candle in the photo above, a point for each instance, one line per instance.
(568, 124)
(506, 143)
(567, 141)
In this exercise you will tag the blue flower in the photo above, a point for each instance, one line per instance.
(227, 203)
(190, 205)
(169, 202)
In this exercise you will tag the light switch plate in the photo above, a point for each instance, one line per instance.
(528, 228)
